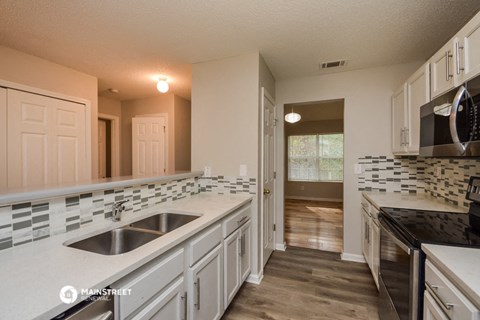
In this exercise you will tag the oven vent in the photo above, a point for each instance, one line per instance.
(333, 64)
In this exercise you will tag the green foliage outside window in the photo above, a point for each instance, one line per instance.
(315, 157)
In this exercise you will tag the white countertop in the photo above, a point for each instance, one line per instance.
(460, 265)
(418, 201)
(32, 275)
(15, 195)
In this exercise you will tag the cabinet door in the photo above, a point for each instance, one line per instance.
(366, 236)
(442, 73)
(232, 265)
(375, 251)
(469, 49)
(3, 138)
(170, 305)
(206, 287)
(398, 120)
(245, 252)
(418, 93)
(431, 310)
(46, 140)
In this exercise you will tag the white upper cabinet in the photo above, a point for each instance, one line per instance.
(467, 49)
(406, 103)
(442, 67)
(418, 93)
(398, 120)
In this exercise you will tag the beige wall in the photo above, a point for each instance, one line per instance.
(225, 115)
(131, 108)
(312, 190)
(29, 70)
(183, 134)
(109, 106)
(367, 95)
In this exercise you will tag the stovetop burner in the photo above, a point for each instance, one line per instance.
(420, 226)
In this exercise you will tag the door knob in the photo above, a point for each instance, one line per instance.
(266, 191)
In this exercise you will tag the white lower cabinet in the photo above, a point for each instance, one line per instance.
(156, 288)
(375, 250)
(245, 252)
(206, 287)
(371, 238)
(443, 299)
(366, 237)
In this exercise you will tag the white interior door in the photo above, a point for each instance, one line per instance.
(149, 152)
(268, 175)
(102, 148)
(46, 140)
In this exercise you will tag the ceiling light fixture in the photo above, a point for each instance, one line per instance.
(292, 117)
(162, 85)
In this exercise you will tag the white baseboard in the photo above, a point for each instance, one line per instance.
(255, 278)
(281, 246)
(314, 199)
(353, 257)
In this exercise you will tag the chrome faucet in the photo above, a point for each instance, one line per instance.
(117, 209)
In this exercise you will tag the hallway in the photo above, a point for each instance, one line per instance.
(314, 224)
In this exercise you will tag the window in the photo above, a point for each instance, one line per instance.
(315, 157)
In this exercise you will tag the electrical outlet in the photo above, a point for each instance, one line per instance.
(207, 171)
(243, 170)
(438, 172)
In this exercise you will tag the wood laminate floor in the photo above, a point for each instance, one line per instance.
(314, 224)
(304, 284)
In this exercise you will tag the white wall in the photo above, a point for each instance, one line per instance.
(225, 115)
(367, 126)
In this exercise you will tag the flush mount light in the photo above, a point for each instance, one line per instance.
(292, 117)
(162, 85)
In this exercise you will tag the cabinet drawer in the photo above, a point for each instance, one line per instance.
(147, 282)
(236, 219)
(453, 302)
(202, 244)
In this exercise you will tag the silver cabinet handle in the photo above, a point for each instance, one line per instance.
(106, 316)
(242, 245)
(433, 290)
(406, 132)
(184, 298)
(239, 242)
(242, 220)
(401, 136)
(197, 285)
(458, 47)
(448, 55)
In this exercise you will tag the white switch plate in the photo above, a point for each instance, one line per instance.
(207, 171)
(243, 170)
(358, 168)
(438, 172)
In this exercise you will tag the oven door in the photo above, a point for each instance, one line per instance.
(399, 276)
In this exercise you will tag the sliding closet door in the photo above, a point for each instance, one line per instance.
(46, 140)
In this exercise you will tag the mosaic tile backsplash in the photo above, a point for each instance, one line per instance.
(417, 175)
(23, 223)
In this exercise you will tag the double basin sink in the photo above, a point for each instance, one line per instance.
(133, 235)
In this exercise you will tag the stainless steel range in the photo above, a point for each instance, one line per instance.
(402, 263)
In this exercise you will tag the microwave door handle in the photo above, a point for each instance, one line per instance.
(453, 120)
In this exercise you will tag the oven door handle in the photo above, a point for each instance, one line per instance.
(395, 239)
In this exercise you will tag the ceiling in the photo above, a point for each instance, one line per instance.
(318, 111)
(125, 43)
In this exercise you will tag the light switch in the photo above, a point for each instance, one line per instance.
(358, 168)
(243, 170)
(207, 171)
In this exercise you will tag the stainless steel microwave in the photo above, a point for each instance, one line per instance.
(450, 124)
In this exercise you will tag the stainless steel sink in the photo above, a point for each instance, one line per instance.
(128, 238)
(164, 222)
(116, 241)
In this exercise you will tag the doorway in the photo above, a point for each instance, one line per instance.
(108, 146)
(314, 176)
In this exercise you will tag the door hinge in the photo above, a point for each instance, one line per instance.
(274, 174)
(274, 227)
(164, 128)
(275, 122)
